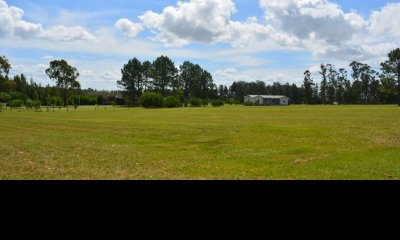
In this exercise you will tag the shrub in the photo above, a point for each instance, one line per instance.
(54, 101)
(16, 103)
(4, 97)
(29, 104)
(151, 100)
(195, 102)
(37, 105)
(205, 102)
(230, 101)
(249, 104)
(217, 103)
(1, 107)
(87, 101)
(74, 100)
(172, 102)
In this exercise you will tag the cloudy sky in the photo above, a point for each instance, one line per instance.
(269, 40)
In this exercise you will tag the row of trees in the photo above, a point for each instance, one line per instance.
(190, 81)
(18, 91)
(161, 76)
(368, 86)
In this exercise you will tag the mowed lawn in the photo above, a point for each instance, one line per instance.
(232, 142)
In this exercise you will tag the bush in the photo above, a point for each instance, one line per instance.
(37, 105)
(151, 100)
(54, 101)
(29, 104)
(217, 103)
(172, 102)
(87, 101)
(195, 102)
(5, 97)
(205, 102)
(230, 101)
(74, 100)
(248, 104)
(16, 103)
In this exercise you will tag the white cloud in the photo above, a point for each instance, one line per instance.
(319, 18)
(48, 58)
(66, 34)
(385, 23)
(203, 21)
(269, 76)
(128, 27)
(323, 28)
(11, 24)
(230, 75)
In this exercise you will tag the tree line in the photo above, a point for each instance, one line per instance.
(366, 86)
(18, 91)
(162, 83)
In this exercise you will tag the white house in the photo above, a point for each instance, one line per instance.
(267, 100)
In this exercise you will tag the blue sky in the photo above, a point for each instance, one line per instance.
(268, 40)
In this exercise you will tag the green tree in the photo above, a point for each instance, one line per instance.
(5, 66)
(132, 79)
(341, 86)
(324, 84)
(187, 75)
(391, 67)
(365, 82)
(163, 74)
(308, 87)
(146, 71)
(65, 77)
(332, 83)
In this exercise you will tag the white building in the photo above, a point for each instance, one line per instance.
(267, 100)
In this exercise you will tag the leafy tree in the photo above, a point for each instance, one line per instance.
(364, 82)
(391, 67)
(332, 83)
(164, 72)
(132, 79)
(341, 86)
(308, 87)
(324, 84)
(146, 71)
(388, 89)
(187, 75)
(5, 66)
(65, 77)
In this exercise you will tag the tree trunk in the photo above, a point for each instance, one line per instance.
(133, 99)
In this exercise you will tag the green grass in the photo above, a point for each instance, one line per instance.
(296, 142)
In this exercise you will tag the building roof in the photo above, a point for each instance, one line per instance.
(268, 96)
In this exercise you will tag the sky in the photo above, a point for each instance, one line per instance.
(249, 40)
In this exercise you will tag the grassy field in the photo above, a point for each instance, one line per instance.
(296, 142)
